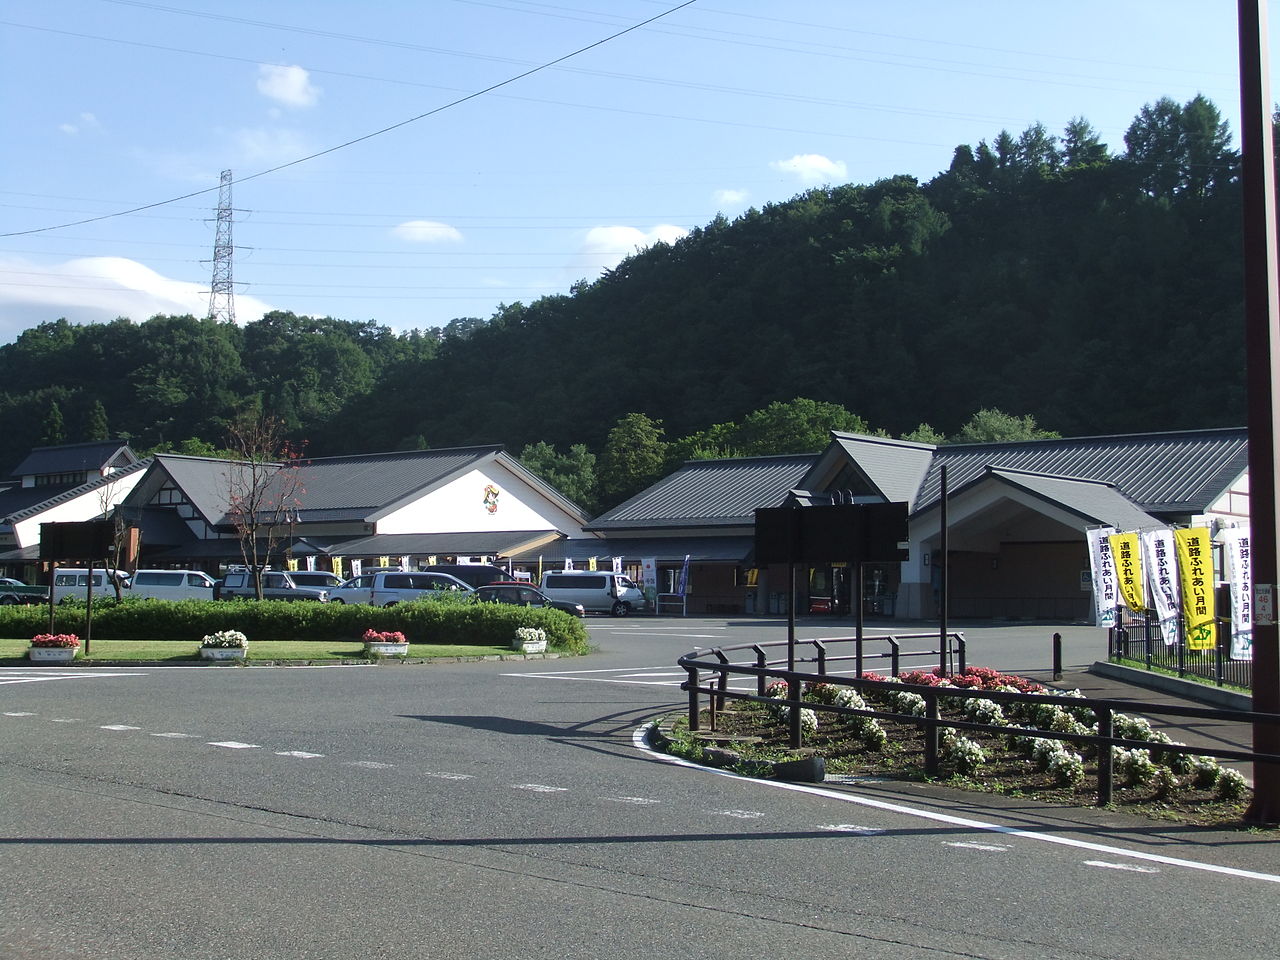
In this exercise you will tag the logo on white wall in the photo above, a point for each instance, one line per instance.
(491, 498)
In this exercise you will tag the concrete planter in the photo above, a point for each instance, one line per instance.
(223, 653)
(388, 649)
(52, 654)
(529, 646)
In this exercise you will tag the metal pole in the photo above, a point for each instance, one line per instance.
(1262, 353)
(942, 596)
(1057, 656)
(88, 611)
(857, 585)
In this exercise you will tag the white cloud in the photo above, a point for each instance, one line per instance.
(94, 289)
(605, 247)
(258, 146)
(427, 231)
(813, 168)
(730, 198)
(290, 86)
(86, 121)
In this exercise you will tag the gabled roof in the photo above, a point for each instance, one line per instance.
(706, 493)
(16, 505)
(894, 468)
(1178, 472)
(1093, 501)
(733, 549)
(73, 458)
(361, 487)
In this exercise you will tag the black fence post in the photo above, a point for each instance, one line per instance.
(1106, 780)
(692, 684)
(722, 684)
(1057, 656)
(893, 648)
(793, 699)
(763, 664)
(960, 653)
(822, 657)
(931, 734)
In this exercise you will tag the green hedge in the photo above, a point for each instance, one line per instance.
(425, 621)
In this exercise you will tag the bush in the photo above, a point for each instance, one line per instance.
(437, 621)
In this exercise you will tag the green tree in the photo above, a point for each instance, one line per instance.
(52, 430)
(925, 434)
(635, 455)
(996, 426)
(1081, 145)
(573, 474)
(96, 428)
(1180, 150)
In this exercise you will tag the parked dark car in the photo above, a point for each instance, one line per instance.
(472, 574)
(525, 595)
(276, 585)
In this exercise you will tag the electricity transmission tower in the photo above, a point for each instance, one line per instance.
(222, 297)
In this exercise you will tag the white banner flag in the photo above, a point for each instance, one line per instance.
(568, 565)
(1236, 551)
(1162, 576)
(311, 562)
(1106, 590)
(355, 568)
(617, 564)
(404, 562)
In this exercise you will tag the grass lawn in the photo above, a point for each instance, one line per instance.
(108, 650)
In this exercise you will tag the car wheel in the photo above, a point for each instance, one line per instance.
(619, 608)
(338, 600)
(8, 601)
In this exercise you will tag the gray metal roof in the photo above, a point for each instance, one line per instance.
(363, 484)
(1094, 501)
(72, 458)
(498, 543)
(895, 467)
(16, 506)
(732, 549)
(1179, 472)
(710, 493)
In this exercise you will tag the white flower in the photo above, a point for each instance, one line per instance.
(225, 638)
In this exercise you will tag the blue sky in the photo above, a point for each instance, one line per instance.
(522, 191)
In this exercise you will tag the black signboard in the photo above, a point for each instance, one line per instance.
(831, 534)
(90, 540)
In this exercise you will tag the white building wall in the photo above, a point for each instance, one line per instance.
(460, 507)
(85, 507)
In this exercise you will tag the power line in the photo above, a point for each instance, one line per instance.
(369, 136)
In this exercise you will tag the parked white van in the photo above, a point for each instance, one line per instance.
(597, 590)
(70, 583)
(171, 585)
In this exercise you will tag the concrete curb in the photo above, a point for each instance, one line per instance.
(1186, 689)
(345, 662)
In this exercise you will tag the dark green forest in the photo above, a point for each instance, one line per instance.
(1056, 277)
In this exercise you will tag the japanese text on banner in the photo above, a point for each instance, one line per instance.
(1195, 562)
(1127, 556)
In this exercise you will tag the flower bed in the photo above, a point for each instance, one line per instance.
(53, 641)
(1015, 761)
(225, 639)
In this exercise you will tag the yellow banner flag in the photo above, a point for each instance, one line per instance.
(1195, 563)
(384, 561)
(1126, 555)
(591, 563)
(337, 566)
(291, 563)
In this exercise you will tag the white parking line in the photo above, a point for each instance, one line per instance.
(1121, 866)
(300, 754)
(39, 676)
(371, 764)
(18, 713)
(117, 726)
(233, 744)
(638, 801)
(739, 814)
(969, 845)
(538, 788)
(175, 736)
(450, 776)
(851, 828)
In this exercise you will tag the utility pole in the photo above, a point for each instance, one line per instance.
(222, 295)
(1262, 349)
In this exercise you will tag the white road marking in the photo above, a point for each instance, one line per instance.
(450, 776)
(18, 713)
(33, 677)
(371, 764)
(1121, 866)
(64, 720)
(970, 845)
(117, 726)
(538, 788)
(174, 736)
(638, 801)
(640, 734)
(851, 828)
(300, 754)
(234, 744)
(740, 814)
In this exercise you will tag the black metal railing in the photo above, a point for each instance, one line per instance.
(709, 672)
(1136, 639)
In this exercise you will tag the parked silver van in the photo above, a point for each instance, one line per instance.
(171, 585)
(598, 591)
(70, 583)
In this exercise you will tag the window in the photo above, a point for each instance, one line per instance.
(158, 580)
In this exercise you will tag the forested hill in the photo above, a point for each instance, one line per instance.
(1096, 289)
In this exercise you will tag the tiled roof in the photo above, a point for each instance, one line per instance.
(710, 493)
(895, 467)
(70, 458)
(1091, 500)
(669, 550)
(1181, 472)
(366, 483)
(23, 508)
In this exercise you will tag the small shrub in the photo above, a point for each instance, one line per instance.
(1066, 768)
(1205, 771)
(1231, 784)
